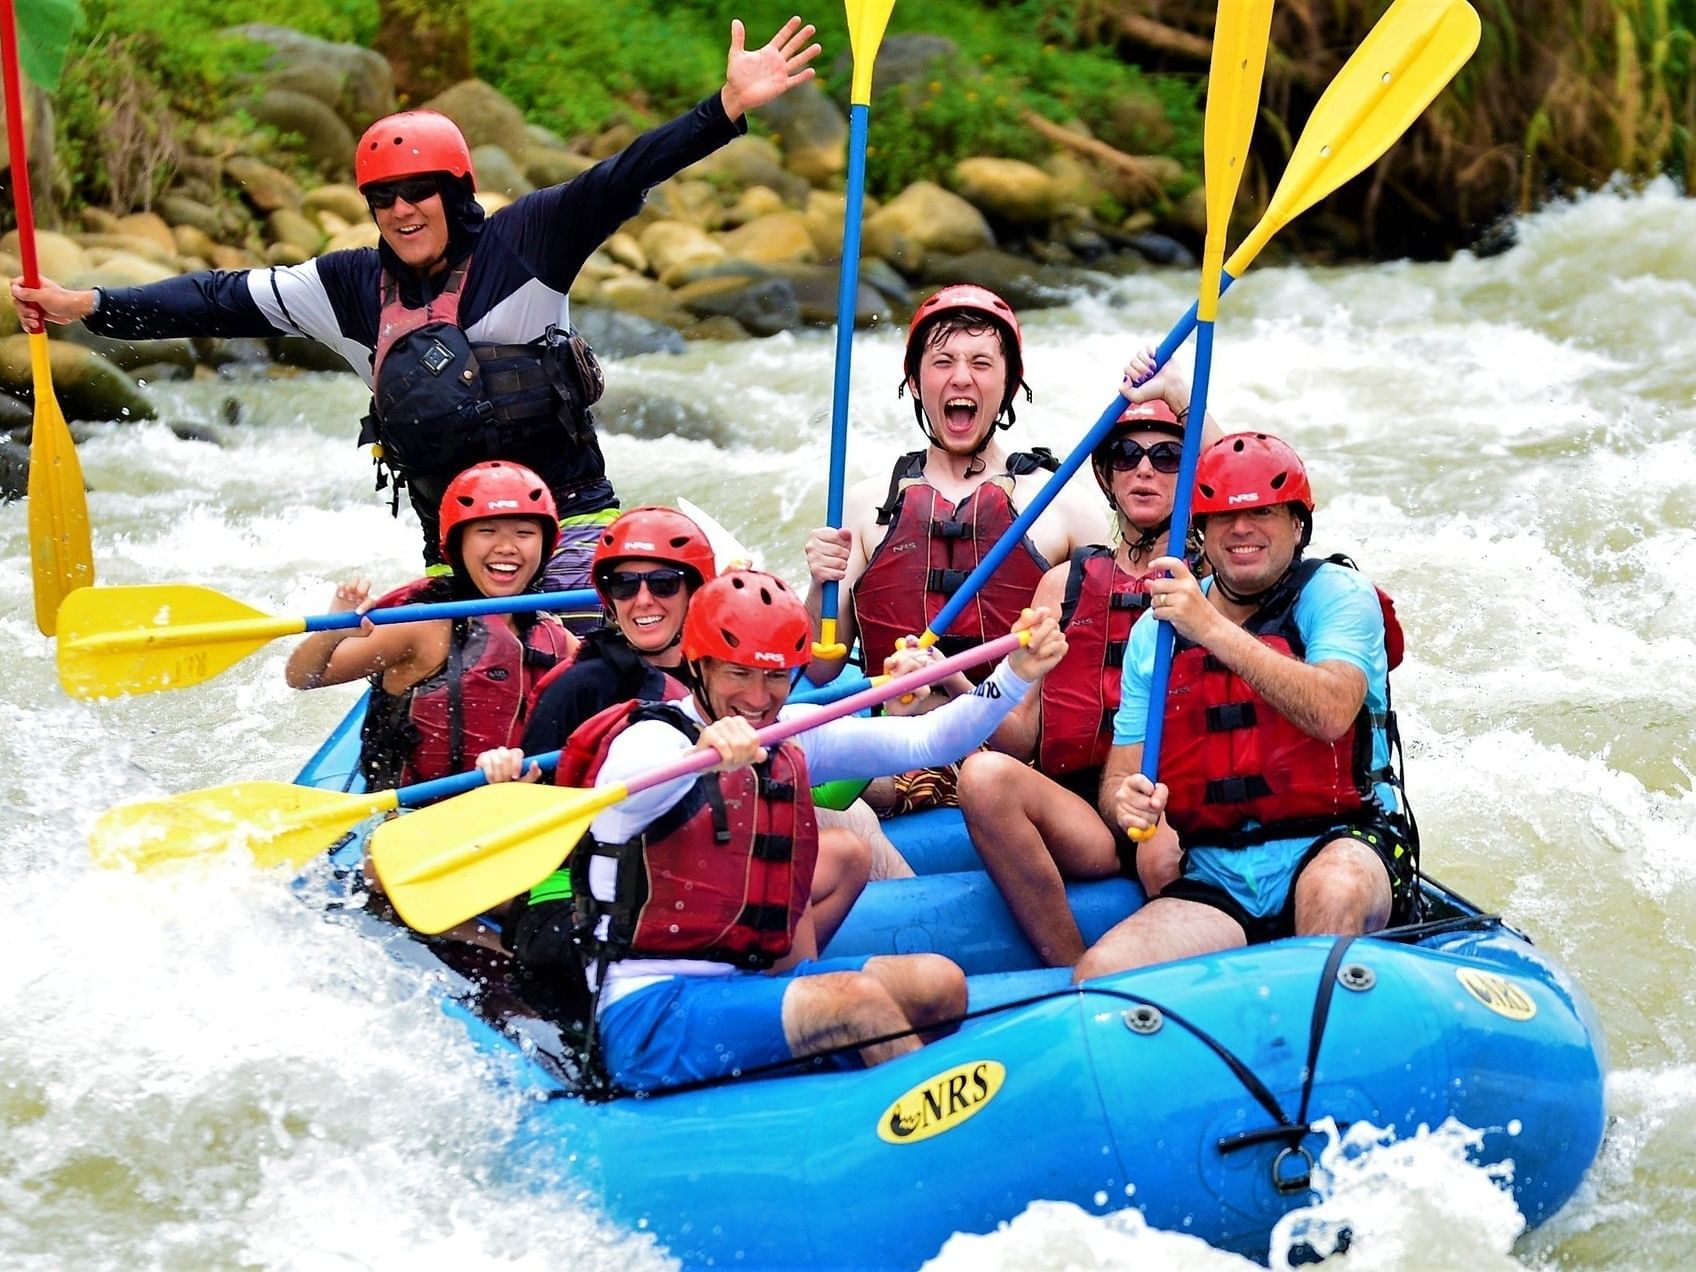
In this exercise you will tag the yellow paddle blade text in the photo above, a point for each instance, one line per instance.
(462, 857)
(61, 552)
(119, 640)
(277, 823)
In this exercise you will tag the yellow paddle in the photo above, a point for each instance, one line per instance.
(1405, 60)
(61, 555)
(118, 640)
(459, 858)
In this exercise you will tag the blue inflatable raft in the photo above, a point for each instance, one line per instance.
(1192, 1091)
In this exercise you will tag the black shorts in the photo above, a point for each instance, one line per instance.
(1385, 837)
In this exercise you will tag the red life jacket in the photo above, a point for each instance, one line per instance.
(1080, 695)
(1229, 757)
(479, 698)
(930, 549)
(724, 874)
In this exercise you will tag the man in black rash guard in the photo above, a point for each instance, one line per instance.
(459, 323)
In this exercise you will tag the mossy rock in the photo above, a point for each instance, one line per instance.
(484, 114)
(765, 306)
(128, 355)
(325, 138)
(338, 197)
(781, 238)
(57, 256)
(86, 385)
(14, 470)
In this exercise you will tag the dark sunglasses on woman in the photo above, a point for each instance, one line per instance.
(1126, 453)
(663, 584)
(413, 189)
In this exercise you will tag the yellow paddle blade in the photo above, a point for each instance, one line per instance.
(61, 554)
(1233, 103)
(277, 822)
(117, 640)
(1404, 61)
(867, 21)
(455, 860)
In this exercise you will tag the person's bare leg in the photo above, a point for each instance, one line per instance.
(845, 862)
(887, 861)
(1164, 929)
(839, 1009)
(1033, 835)
(1344, 890)
(929, 989)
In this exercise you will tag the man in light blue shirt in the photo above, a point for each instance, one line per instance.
(1275, 768)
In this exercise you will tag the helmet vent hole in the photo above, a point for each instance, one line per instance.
(737, 583)
(466, 501)
(1206, 490)
(1238, 446)
(765, 595)
(730, 638)
(679, 541)
(1277, 483)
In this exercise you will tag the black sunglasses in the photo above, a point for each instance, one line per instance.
(663, 584)
(413, 189)
(1126, 453)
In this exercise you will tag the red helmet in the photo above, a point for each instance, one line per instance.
(411, 144)
(496, 488)
(1250, 470)
(749, 618)
(656, 534)
(968, 298)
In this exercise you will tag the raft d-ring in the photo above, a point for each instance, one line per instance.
(1144, 1020)
(1356, 976)
(1287, 1183)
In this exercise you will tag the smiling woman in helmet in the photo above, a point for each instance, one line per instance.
(445, 690)
(460, 324)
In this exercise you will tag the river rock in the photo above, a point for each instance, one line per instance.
(159, 373)
(338, 197)
(614, 335)
(128, 355)
(329, 223)
(901, 59)
(751, 161)
(286, 254)
(811, 131)
(86, 385)
(670, 244)
(325, 138)
(617, 136)
(497, 173)
(148, 249)
(1160, 249)
(14, 470)
(1008, 189)
(720, 327)
(229, 256)
(765, 306)
(778, 239)
(364, 84)
(179, 209)
(484, 115)
(1021, 283)
(16, 418)
(751, 204)
(887, 281)
(922, 219)
(492, 201)
(98, 221)
(550, 165)
(193, 241)
(825, 212)
(816, 289)
(630, 411)
(680, 199)
(57, 256)
(623, 248)
(297, 230)
(264, 187)
(1075, 185)
(111, 268)
(355, 236)
(634, 294)
(305, 355)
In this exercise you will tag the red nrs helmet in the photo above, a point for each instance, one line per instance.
(411, 144)
(749, 618)
(496, 488)
(1250, 470)
(654, 533)
(970, 299)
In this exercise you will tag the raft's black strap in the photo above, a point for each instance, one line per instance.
(456, 694)
(1321, 1013)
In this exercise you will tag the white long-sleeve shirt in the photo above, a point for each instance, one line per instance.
(852, 747)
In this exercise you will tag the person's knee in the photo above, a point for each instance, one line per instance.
(940, 985)
(1347, 882)
(845, 860)
(989, 781)
(1095, 962)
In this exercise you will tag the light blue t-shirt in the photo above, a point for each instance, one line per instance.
(1340, 620)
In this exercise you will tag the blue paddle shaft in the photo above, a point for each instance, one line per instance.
(458, 609)
(1039, 502)
(421, 793)
(847, 296)
(1181, 499)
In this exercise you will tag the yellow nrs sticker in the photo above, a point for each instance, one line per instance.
(941, 1103)
(1498, 993)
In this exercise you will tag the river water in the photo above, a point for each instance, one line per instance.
(199, 1071)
